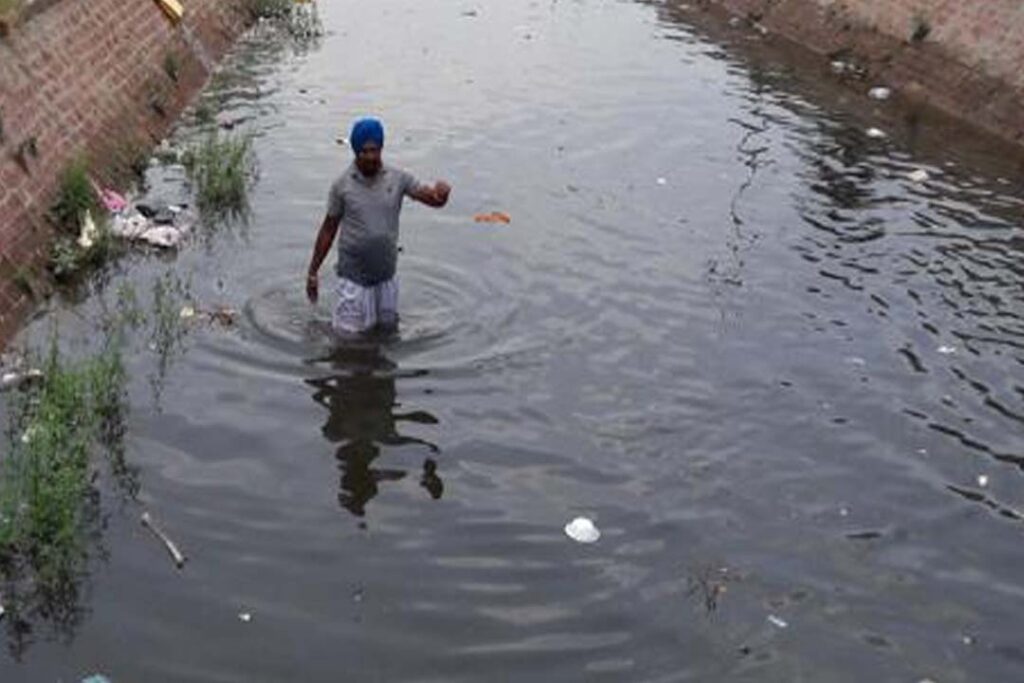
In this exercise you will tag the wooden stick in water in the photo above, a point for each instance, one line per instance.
(176, 555)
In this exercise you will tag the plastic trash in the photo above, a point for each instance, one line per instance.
(776, 621)
(918, 176)
(187, 313)
(244, 617)
(876, 133)
(880, 93)
(982, 480)
(164, 236)
(129, 227)
(114, 202)
(946, 350)
(160, 213)
(582, 530)
(662, 181)
(493, 217)
(224, 316)
(89, 231)
(13, 380)
(96, 678)
(172, 550)
(2, 611)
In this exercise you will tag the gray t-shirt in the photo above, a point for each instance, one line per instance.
(369, 208)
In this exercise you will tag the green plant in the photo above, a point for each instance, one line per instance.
(23, 279)
(300, 20)
(75, 196)
(69, 259)
(167, 331)
(921, 28)
(45, 484)
(220, 169)
(172, 66)
(132, 155)
(267, 9)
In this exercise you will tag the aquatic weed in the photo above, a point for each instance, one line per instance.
(75, 196)
(46, 495)
(299, 20)
(167, 334)
(220, 170)
(70, 258)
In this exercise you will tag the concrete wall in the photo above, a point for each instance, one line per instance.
(970, 64)
(986, 34)
(87, 77)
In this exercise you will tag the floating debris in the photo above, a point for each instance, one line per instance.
(662, 181)
(880, 93)
(982, 480)
(493, 217)
(187, 312)
(2, 611)
(96, 678)
(13, 380)
(164, 236)
(89, 233)
(876, 133)
(112, 201)
(244, 617)
(223, 315)
(918, 176)
(946, 350)
(856, 360)
(839, 67)
(582, 530)
(776, 621)
(172, 549)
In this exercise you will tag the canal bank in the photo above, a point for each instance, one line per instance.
(963, 58)
(103, 81)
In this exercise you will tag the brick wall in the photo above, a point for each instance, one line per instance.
(87, 77)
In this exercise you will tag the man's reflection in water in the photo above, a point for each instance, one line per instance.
(363, 416)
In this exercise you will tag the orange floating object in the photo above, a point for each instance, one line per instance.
(493, 217)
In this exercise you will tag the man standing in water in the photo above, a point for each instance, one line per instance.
(365, 202)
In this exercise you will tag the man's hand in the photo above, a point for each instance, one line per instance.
(441, 192)
(436, 196)
(312, 288)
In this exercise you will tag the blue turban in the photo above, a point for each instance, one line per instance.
(366, 130)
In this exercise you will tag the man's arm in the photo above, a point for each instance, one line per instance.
(435, 195)
(324, 240)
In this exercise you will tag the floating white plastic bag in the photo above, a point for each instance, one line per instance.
(582, 530)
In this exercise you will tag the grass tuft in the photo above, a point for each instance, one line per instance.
(74, 197)
(300, 20)
(45, 484)
(220, 170)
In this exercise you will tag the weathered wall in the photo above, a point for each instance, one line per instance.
(87, 77)
(970, 64)
(987, 34)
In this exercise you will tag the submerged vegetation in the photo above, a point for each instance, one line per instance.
(220, 169)
(300, 20)
(75, 196)
(62, 427)
(46, 496)
(84, 240)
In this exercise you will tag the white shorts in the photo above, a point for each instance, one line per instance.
(362, 308)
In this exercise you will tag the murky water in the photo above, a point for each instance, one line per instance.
(782, 378)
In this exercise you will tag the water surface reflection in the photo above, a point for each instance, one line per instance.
(364, 415)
